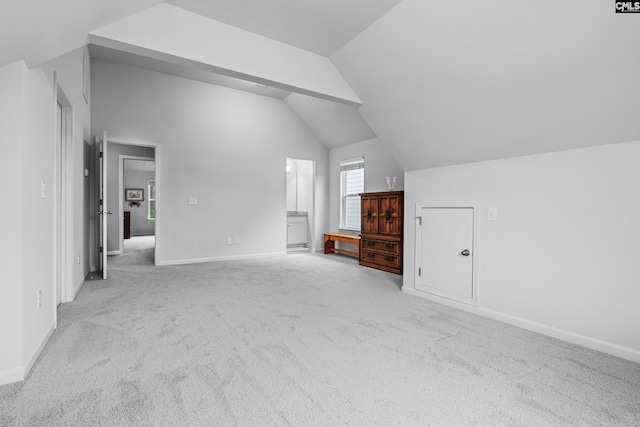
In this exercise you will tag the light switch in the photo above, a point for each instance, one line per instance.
(492, 214)
(193, 201)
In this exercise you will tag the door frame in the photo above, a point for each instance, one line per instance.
(63, 198)
(311, 215)
(474, 206)
(156, 154)
(124, 157)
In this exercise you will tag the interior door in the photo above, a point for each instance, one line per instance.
(102, 203)
(445, 265)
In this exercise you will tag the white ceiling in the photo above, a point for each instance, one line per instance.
(40, 30)
(440, 85)
(37, 31)
(319, 26)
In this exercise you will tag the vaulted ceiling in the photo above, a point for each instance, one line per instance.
(440, 83)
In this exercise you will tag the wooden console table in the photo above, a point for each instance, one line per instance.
(330, 240)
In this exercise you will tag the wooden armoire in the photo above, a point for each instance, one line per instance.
(381, 230)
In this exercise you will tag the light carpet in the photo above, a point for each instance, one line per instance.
(302, 340)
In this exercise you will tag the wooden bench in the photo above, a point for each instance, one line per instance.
(330, 240)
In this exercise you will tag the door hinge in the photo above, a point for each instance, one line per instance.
(419, 218)
(100, 249)
(419, 271)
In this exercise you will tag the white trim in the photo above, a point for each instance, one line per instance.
(561, 334)
(473, 301)
(78, 287)
(124, 157)
(36, 354)
(64, 166)
(311, 215)
(156, 154)
(13, 375)
(222, 258)
(110, 253)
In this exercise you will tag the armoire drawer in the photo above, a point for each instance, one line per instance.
(391, 248)
(392, 261)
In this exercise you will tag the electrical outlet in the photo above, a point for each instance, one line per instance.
(229, 241)
(39, 298)
(78, 259)
(193, 201)
(43, 190)
(236, 240)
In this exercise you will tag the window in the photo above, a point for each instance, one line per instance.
(351, 184)
(151, 191)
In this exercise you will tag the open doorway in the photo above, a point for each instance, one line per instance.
(300, 204)
(138, 209)
(114, 198)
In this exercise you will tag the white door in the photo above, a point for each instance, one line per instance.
(445, 252)
(102, 203)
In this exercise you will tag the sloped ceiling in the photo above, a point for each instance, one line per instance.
(321, 27)
(335, 124)
(175, 35)
(441, 83)
(37, 31)
(445, 83)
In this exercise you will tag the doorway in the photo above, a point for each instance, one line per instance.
(63, 182)
(446, 251)
(300, 202)
(136, 216)
(114, 197)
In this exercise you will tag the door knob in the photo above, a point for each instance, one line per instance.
(465, 252)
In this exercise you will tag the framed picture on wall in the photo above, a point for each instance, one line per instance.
(134, 194)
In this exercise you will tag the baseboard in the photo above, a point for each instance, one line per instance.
(110, 253)
(562, 334)
(78, 287)
(35, 356)
(13, 375)
(214, 259)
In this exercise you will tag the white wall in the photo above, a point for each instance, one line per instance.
(37, 215)
(223, 146)
(69, 70)
(562, 256)
(378, 164)
(28, 158)
(11, 163)
(140, 225)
